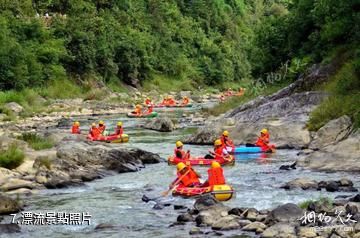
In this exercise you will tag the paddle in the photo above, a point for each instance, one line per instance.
(164, 194)
(225, 158)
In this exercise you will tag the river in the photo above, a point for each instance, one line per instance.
(116, 200)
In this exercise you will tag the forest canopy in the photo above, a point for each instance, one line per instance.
(209, 42)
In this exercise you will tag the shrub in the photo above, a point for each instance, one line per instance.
(12, 157)
(36, 142)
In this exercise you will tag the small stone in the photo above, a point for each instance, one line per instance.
(256, 226)
(251, 214)
(332, 186)
(307, 232)
(346, 182)
(185, 218)
(179, 207)
(195, 231)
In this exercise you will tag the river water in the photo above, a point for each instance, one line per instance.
(116, 200)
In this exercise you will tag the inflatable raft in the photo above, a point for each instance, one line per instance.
(112, 138)
(220, 192)
(148, 115)
(201, 161)
(255, 149)
(173, 106)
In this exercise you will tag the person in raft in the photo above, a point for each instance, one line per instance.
(264, 139)
(137, 110)
(185, 100)
(148, 101)
(180, 152)
(75, 129)
(219, 152)
(227, 142)
(215, 175)
(102, 127)
(186, 176)
(118, 130)
(149, 109)
(94, 132)
(170, 101)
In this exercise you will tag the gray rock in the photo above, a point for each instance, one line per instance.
(9, 228)
(204, 202)
(284, 213)
(334, 131)
(8, 205)
(229, 222)
(332, 186)
(342, 156)
(162, 124)
(185, 218)
(251, 214)
(256, 226)
(306, 232)
(14, 107)
(303, 183)
(279, 230)
(195, 231)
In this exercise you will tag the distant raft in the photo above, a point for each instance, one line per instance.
(112, 138)
(146, 115)
(220, 192)
(173, 106)
(253, 149)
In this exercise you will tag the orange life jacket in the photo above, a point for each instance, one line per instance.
(171, 102)
(180, 154)
(150, 110)
(137, 111)
(119, 130)
(216, 176)
(185, 101)
(75, 129)
(147, 101)
(226, 141)
(189, 179)
(219, 152)
(95, 132)
(263, 141)
(101, 128)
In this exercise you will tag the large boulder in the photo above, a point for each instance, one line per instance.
(303, 183)
(284, 117)
(162, 124)
(79, 162)
(14, 107)
(8, 205)
(342, 156)
(288, 212)
(334, 131)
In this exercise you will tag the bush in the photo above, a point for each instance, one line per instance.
(12, 157)
(36, 142)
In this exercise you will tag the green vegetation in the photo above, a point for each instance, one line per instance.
(36, 142)
(169, 45)
(321, 201)
(44, 161)
(344, 90)
(12, 157)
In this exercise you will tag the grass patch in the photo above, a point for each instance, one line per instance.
(344, 89)
(44, 161)
(164, 83)
(61, 89)
(36, 142)
(12, 157)
(321, 201)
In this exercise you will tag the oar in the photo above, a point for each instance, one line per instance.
(228, 159)
(164, 194)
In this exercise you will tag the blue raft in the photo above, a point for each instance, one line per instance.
(248, 150)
